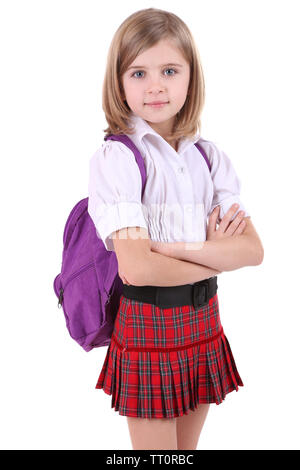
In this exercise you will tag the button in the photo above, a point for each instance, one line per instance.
(181, 169)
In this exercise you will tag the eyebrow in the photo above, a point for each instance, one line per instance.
(143, 67)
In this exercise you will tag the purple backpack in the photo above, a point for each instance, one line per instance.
(89, 286)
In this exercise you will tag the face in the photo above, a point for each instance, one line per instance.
(152, 79)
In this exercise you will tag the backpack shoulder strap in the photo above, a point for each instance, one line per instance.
(201, 150)
(138, 157)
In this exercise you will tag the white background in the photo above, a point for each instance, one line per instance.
(53, 56)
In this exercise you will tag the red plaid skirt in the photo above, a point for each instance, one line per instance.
(162, 362)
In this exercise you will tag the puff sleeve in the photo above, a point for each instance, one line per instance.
(226, 184)
(114, 190)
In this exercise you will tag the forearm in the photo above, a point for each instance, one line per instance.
(164, 271)
(227, 254)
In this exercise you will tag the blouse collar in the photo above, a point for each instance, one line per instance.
(142, 129)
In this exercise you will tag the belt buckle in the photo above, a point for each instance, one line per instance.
(200, 294)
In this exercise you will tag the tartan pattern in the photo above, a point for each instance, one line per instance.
(162, 362)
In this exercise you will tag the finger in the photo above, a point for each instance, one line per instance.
(213, 219)
(214, 215)
(240, 228)
(235, 223)
(227, 217)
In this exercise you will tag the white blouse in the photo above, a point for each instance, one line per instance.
(180, 191)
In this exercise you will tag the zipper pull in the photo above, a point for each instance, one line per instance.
(61, 292)
(108, 298)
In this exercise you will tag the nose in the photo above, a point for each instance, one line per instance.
(155, 85)
(155, 93)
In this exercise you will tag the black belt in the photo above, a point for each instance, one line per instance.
(197, 294)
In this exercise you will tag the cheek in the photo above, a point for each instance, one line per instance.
(182, 96)
(180, 87)
(126, 84)
(130, 89)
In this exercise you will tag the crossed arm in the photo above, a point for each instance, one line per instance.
(233, 245)
(226, 254)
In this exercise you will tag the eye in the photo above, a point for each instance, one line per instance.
(141, 71)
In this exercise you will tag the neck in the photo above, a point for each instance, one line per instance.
(174, 144)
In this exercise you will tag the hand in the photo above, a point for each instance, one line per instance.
(226, 228)
(124, 280)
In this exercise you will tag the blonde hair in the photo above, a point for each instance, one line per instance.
(140, 31)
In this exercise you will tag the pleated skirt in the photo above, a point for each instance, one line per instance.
(163, 362)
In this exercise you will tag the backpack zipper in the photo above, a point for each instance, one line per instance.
(61, 290)
(61, 296)
(84, 268)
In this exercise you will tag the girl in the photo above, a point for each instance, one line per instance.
(169, 357)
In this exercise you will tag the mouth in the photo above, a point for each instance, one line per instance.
(157, 104)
